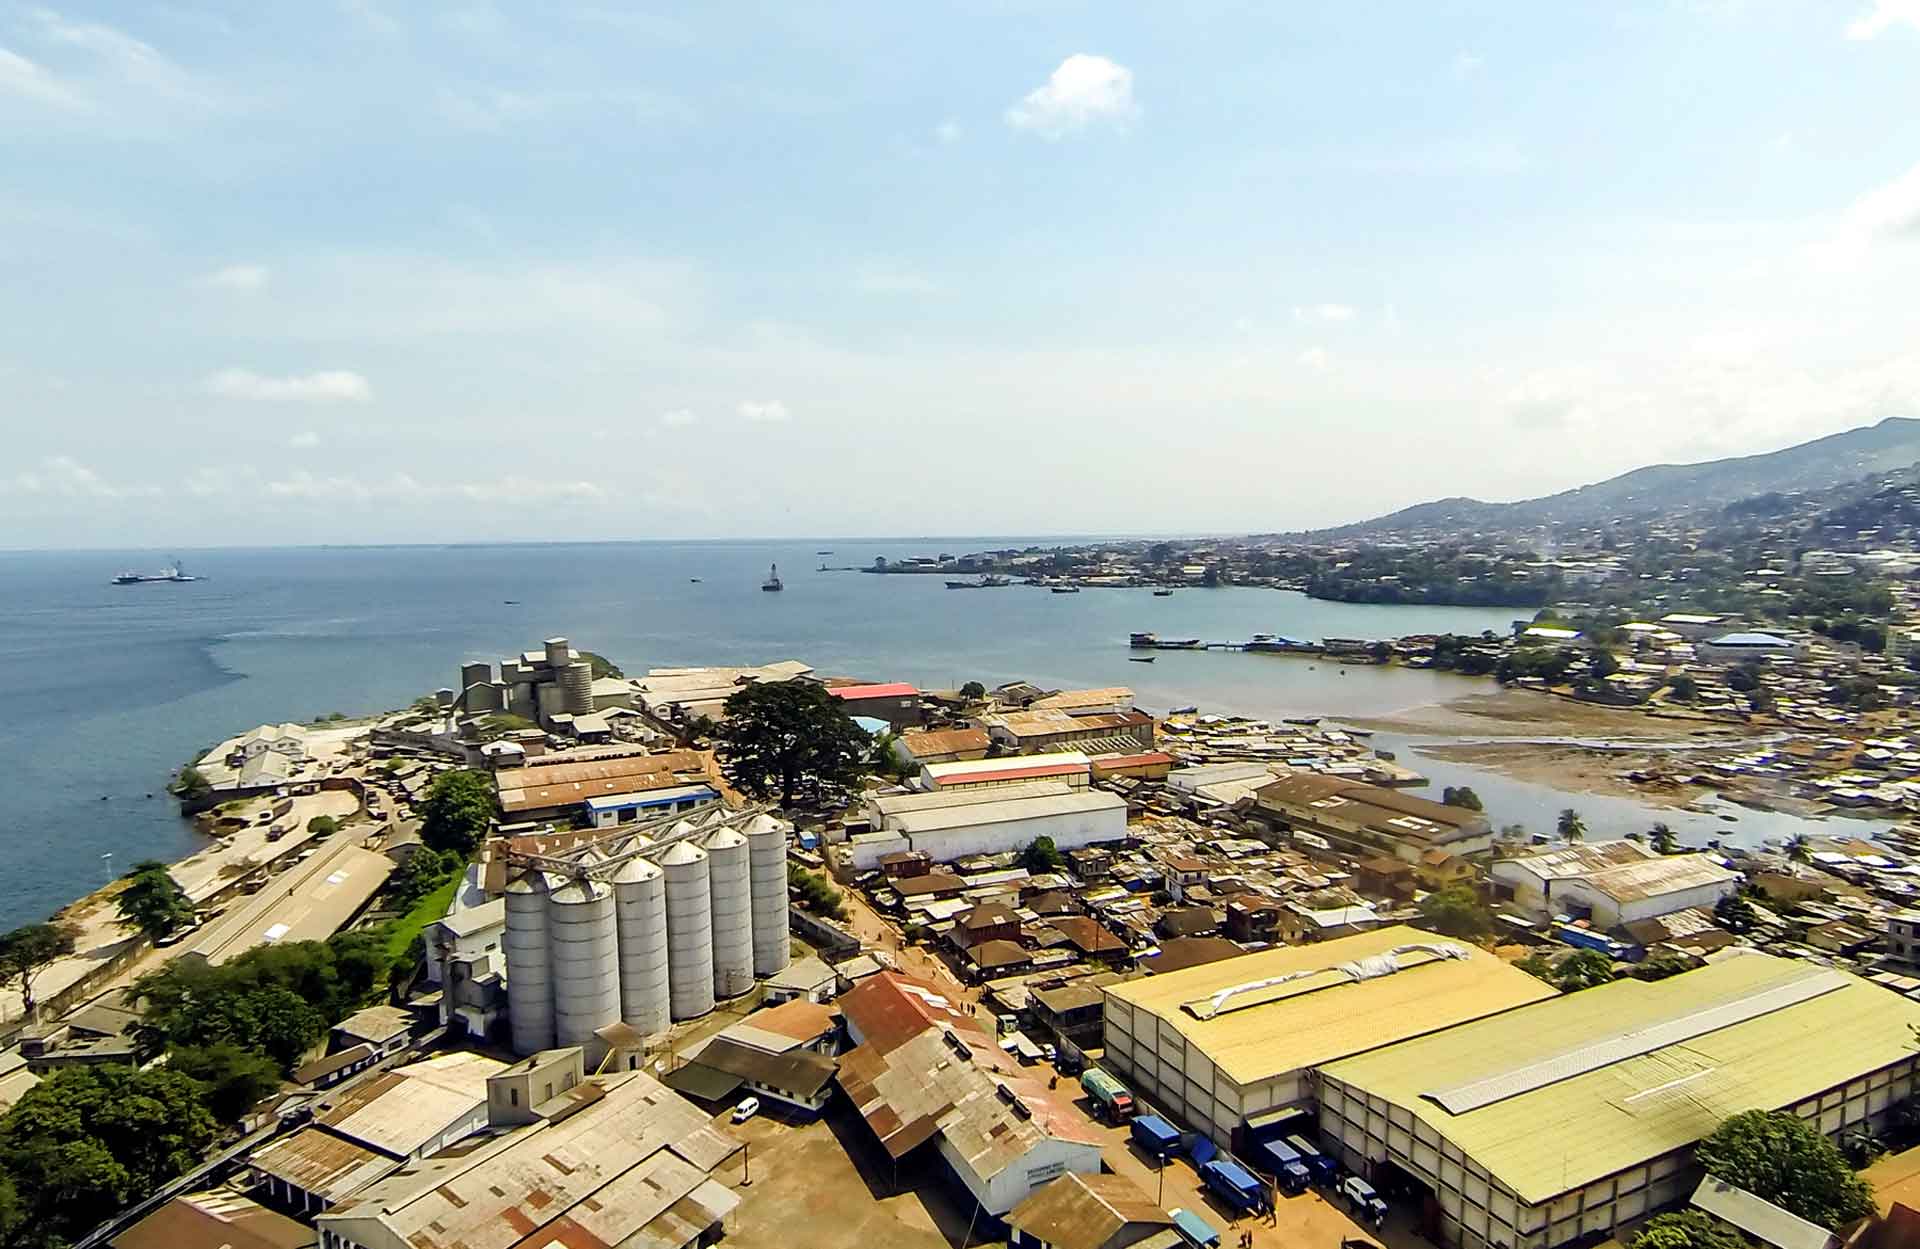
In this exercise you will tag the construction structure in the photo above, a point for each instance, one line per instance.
(1224, 1044)
(651, 923)
(1561, 1121)
(555, 680)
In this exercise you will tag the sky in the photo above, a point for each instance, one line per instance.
(373, 271)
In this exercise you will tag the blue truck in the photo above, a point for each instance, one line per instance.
(1289, 1169)
(1156, 1136)
(1325, 1169)
(1234, 1186)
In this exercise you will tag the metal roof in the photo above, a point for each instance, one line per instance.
(1085, 1211)
(218, 1218)
(855, 693)
(1302, 1028)
(400, 1111)
(1004, 810)
(1758, 1217)
(1735, 1037)
(322, 1164)
(800, 1072)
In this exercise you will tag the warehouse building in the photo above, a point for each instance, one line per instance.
(1560, 1122)
(895, 702)
(1367, 818)
(1228, 1042)
(952, 824)
(1610, 883)
(1070, 767)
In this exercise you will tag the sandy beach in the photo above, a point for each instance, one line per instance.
(1526, 713)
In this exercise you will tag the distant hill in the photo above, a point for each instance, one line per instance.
(1672, 488)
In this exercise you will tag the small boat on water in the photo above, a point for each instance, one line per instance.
(1163, 594)
(773, 584)
(966, 585)
(1066, 589)
(1141, 659)
(693, 580)
(1308, 721)
(510, 602)
(823, 552)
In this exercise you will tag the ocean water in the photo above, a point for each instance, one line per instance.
(109, 687)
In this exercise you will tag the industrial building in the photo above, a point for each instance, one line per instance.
(642, 926)
(555, 680)
(601, 1160)
(1091, 1212)
(605, 790)
(1368, 818)
(949, 825)
(310, 901)
(925, 1071)
(676, 697)
(1611, 883)
(1561, 1121)
(1069, 767)
(896, 702)
(1223, 1043)
(1033, 732)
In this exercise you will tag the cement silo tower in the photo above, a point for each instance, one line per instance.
(689, 930)
(767, 861)
(529, 978)
(584, 951)
(729, 882)
(640, 906)
(576, 688)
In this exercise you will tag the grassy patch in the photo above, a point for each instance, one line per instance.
(401, 932)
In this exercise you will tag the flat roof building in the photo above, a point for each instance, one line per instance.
(1368, 818)
(1563, 1120)
(952, 824)
(1611, 883)
(1224, 1042)
(1068, 766)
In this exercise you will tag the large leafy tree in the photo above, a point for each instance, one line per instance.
(234, 1079)
(1042, 855)
(1456, 911)
(153, 902)
(277, 999)
(87, 1140)
(27, 951)
(1778, 1156)
(788, 737)
(1570, 973)
(1687, 1229)
(457, 811)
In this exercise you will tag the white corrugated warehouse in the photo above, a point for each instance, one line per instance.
(953, 824)
(1562, 1121)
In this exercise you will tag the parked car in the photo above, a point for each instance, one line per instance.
(747, 1109)
(1363, 1200)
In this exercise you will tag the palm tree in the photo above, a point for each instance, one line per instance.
(1572, 827)
(1663, 839)
(1798, 848)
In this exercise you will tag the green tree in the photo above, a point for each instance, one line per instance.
(191, 784)
(1687, 1229)
(29, 950)
(457, 811)
(1571, 827)
(1041, 855)
(323, 826)
(1457, 912)
(1660, 966)
(1462, 796)
(1681, 688)
(973, 691)
(86, 1140)
(234, 1079)
(153, 902)
(1735, 914)
(423, 872)
(1779, 1157)
(1799, 849)
(1663, 839)
(1569, 973)
(1603, 664)
(600, 665)
(789, 737)
(816, 892)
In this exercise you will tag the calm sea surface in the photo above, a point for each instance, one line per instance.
(108, 688)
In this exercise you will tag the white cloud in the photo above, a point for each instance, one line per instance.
(1890, 212)
(1083, 90)
(1884, 16)
(1323, 312)
(1466, 64)
(765, 411)
(327, 386)
(948, 132)
(679, 417)
(21, 77)
(1315, 358)
(131, 59)
(238, 277)
(63, 477)
(880, 280)
(305, 486)
(304, 440)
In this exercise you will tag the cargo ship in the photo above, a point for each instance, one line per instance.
(170, 573)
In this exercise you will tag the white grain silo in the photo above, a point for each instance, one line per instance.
(529, 977)
(689, 930)
(576, 688)
(640, 905)
(767, 861)
(584, 953)
(728, 878)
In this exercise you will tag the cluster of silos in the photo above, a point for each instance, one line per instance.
(642, 936)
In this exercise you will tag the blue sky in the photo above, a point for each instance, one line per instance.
(373, 271)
